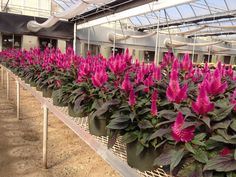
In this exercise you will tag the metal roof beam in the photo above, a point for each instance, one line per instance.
(131, 12)
(213, 34)
(205, 18)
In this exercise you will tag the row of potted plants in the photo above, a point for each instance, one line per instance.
(214, 65)
(176, 116)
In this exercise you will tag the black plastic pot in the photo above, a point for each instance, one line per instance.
(56, 100)
(33, 84)
(143, 161)
(47, 92)
(26, 81)
(73, 113)
(97, 126)
(38, 88)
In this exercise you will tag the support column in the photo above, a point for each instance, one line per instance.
(45, 135)
(0, 42)
(233, 60)
(105, 51)
(17, 99)
(8, 86)
(200, 58)
(214, 59)
(75, 38)
(141, 55)
(2, 77)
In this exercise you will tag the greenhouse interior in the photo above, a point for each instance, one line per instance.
(111, 88)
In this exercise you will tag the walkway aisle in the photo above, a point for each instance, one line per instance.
(21, 144)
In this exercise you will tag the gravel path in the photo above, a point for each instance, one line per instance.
(21, 144)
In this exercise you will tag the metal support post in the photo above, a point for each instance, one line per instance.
(17, 99)
(8, 86)
(157, 46)
(45, 135)
(75, 38)
(2, 76)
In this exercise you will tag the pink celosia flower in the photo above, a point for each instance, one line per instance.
(156, 75)
(126, 84)
(179, 133)
(132, 98)
(214, 85)
(99, 78)
(219, 65)
(233, 100)
(167, 60)
(202, 105)
(148, 82)
(154, 103)
(229, 72)
(225, 151)
(176, 65)
(174, 93)
(186, 64)
(139, 77)
(58, 83)
(197, 75)
(206, 69)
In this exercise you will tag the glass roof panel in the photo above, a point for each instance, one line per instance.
(144, 20)
(65, 4)
(186, 11)
(218, 5)
(200, 9)
(173, 13)
(135, 21)
(231, 4)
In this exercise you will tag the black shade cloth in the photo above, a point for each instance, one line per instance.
(17, 24)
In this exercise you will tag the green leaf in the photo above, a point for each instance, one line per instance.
(189, 147)
(208, 174)
(128, 138)
(233, 125)
(235, 154)
(222, 113)
(159, 133)
(164, 102)
(165, 158)
(140, 88)
(222, 125)
(211, 144)
(112, 138)
(188, 124)
(191, 170)
(219, 138)
(187, 112)
(139, 149)
(143, 111)
(176, 158)
(104, 108)
(132, 116)
(231, 174)
(160, 144)
(207, 121)
(145, 124)
(167, 114)
(117, 125)
(200, 156)
(199, 143)
(226, 138)
(200, 136)
(165, 122)
(221, 164)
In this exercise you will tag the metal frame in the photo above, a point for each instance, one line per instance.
(94, 142)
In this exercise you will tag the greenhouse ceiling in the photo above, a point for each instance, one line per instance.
(221, 14)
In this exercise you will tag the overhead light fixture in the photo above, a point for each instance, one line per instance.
(140, 10)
